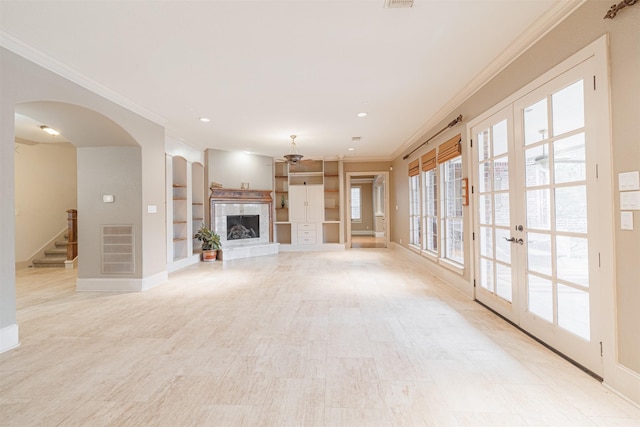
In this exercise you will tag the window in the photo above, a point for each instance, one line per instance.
(430, 198)
(430, 211)
(452, 223)
(414, 210)
(435, 203)
(356, 208)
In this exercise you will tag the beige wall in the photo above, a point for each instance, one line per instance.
(584, 26)
(45, 188)
(115, 171)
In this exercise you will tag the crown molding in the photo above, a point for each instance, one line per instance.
(42, 59)
(548, 21)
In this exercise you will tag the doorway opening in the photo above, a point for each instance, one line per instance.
(368, 212)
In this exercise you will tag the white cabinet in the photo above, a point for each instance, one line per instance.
(307, 233)
(306, 203)
(306, 210)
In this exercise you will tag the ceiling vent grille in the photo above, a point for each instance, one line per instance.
(398, 3)
(117, 249)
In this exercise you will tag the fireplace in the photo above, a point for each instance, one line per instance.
(243, 227)
(242, 218)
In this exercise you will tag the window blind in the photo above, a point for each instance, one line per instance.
(414, 167)
(450, 149)
(429, 160)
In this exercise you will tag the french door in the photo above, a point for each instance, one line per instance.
(536, 216)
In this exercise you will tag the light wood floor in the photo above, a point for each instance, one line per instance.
(367, 242)
(297, 339)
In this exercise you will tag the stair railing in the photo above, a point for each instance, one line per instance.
(72, 231)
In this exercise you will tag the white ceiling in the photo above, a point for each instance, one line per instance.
(262, 70)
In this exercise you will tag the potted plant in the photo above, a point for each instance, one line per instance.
(210, 243)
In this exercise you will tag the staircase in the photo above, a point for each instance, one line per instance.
(55, 256)
(63, 253)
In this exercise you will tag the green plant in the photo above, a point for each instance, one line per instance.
(210, 239)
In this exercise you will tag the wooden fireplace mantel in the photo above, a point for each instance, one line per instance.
(235, 195)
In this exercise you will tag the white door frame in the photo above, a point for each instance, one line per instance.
(347, 212)
(606, 331)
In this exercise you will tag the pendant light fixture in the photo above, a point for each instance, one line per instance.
(293, 157)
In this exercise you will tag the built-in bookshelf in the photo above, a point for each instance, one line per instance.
(307, 203)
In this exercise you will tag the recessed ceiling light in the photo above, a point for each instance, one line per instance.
(205, 119)
(49, 130)
(350, 149)
(362, 114)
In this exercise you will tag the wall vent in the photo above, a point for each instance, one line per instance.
(117, 249)
(398, 3)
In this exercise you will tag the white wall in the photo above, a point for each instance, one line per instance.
(45, 186)
(232, 168)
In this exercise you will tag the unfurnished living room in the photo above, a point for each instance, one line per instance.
(332, 213)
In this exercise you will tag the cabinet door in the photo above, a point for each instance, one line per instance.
(297, 203)
(315, 203)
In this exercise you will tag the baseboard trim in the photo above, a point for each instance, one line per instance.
(362, 233)
(121, 285)
(9, 338)
(451, 278)
(623, 382)
(154, 280)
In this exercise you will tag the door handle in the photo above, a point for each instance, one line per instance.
(514, 240)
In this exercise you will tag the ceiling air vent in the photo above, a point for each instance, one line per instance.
(398, 3)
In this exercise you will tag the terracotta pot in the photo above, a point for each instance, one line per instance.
(209, 256)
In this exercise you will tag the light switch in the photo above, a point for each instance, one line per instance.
(152, 209)
(107, 198)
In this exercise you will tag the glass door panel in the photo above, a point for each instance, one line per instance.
(534, 208)
(556, 301)
(492, 161)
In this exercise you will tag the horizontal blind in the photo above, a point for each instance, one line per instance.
(450, 149)
(429, 160)
(414, 167)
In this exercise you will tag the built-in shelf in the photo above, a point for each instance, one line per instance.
(288, 183)
(179, 239)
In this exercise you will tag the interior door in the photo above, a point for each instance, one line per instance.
(536, 217)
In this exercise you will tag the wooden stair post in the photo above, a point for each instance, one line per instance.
(72, 230)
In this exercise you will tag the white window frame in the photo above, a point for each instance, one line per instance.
(451, 216)
(357, 205)
(430, 196)
(415, 212)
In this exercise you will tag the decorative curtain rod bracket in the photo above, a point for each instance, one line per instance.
(450, 125)
(613, 11)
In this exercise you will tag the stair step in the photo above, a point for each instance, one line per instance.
(61, 243)
(49, 262)
(56, 251)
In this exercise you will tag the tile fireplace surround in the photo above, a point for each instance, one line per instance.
(224, 202)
